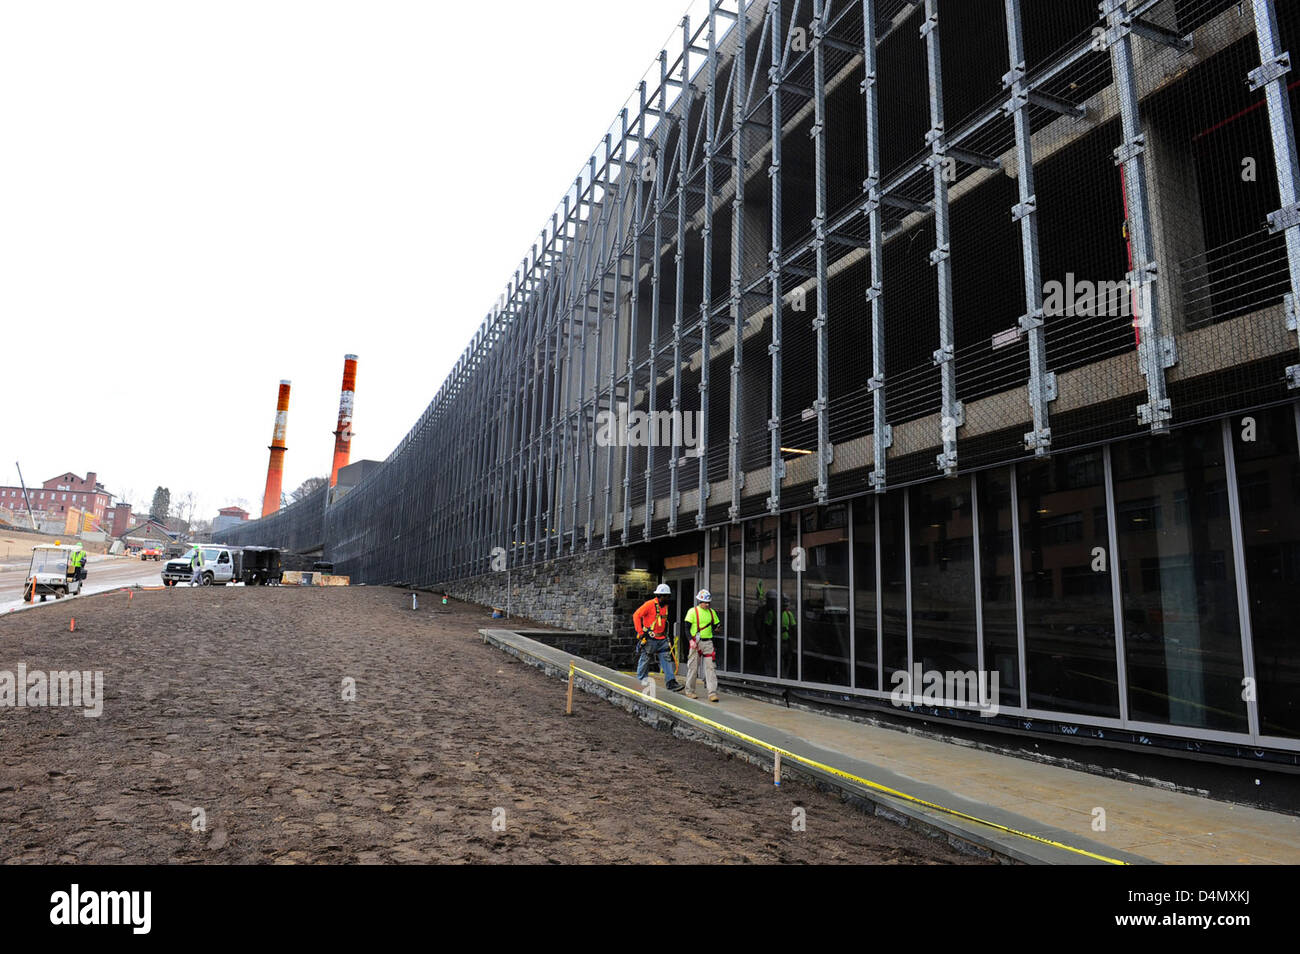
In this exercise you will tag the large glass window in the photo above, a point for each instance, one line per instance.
(864, 594)
(731, 659)
(717, 581)
(760, 597)
(1182, 641)
(1268, 485)
(1066, 566)
(787, 619)
(998, 582)
(825, 605)
(893, 583)
(943, 576)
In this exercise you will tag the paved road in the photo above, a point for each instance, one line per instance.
(103, 573)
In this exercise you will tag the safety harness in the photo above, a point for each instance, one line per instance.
(699, 629)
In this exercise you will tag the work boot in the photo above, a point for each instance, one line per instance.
(690, 695)
(713, 697)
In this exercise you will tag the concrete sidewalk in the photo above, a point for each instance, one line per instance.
(1016, 809)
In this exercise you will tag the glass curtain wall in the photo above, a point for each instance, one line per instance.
(1145, 524)
(1066, 565)
(1268, 487)
(787, 618)
(866, 629)
(1182, 639)
(943, 576)
(717, 581)
(759, 622)
(998, 582)
(731, 658)
(824, 609)
(893, 583)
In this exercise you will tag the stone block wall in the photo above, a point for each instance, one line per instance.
(595, 592)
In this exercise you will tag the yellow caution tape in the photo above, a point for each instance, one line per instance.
(785, 753)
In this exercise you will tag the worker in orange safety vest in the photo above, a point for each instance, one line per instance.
(651, 622)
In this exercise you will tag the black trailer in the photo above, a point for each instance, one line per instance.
(261, 566)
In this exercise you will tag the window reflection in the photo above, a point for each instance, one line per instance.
(824, 610)
(893, 582)
(1268, 482)
(1066, 566)
(1182, 640)
(760, 597)
(943, 576)
(864, 596)
(735, 625)
(998, 582)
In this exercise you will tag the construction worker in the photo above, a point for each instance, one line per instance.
(651, 622)
(79, 564)
(704, 623)
(196, 567)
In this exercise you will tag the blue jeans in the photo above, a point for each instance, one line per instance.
(653, 647)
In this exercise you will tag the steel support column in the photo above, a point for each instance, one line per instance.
(941, 258)
(1275, 66)
(602, 268)
(679, 290)
(706, 236)
(776, 465)
(638, 223)
(656, 291)
(825, 451)
(1042, 383)
(589, 251)
(1155, 348)
(738, 104)
(617, 257)
(881, 435)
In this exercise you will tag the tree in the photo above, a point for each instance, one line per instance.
(161, 508)
(309, 486)
(185, 510)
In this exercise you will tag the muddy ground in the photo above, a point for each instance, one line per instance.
(231, 701)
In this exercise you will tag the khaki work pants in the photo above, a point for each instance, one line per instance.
(703, 651)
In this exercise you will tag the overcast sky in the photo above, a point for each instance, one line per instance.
(199, 199)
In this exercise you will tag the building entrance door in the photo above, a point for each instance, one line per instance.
(685, 584)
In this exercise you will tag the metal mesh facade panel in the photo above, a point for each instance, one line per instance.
(829, 248)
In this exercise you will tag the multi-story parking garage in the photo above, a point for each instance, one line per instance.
(957, 334)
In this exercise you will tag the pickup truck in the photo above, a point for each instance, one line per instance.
(221, 565)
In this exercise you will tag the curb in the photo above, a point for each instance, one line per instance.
(970, 837)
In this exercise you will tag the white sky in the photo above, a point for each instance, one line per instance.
(209, 197)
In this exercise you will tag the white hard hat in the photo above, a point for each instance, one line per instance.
(704, 596)
(663, 589)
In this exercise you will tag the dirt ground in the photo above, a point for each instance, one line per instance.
(231, 701)
(16, 545)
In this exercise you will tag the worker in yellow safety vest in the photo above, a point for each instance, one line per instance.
(704, 623)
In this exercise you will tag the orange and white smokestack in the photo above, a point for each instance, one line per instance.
(343, 433)
(275, 469)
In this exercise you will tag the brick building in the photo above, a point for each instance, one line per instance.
(57, 495)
